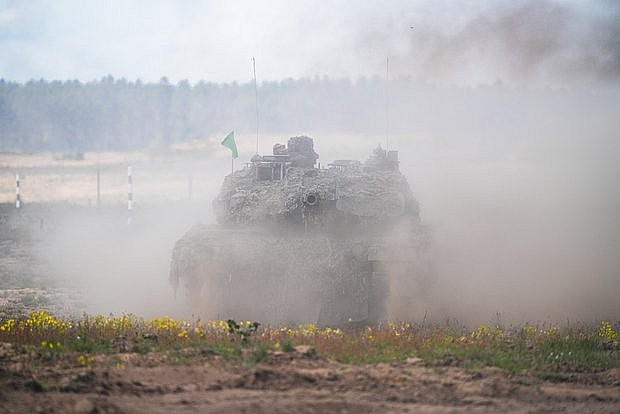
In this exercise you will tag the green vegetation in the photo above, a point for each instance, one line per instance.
(244, 331)
(551, 352)
(71, 117)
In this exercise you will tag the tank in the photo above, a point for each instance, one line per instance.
(299, 243)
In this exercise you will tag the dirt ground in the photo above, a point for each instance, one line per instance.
(297, 381)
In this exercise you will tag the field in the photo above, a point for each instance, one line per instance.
(84, 291)
(128, 364)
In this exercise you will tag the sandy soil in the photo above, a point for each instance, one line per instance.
(298, 381)
(165, 177)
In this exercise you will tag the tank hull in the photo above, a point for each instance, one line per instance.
(280, 280)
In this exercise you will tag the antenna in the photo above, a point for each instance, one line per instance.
(387, 102)
(256, 96)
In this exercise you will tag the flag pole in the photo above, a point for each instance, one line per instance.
(229, 142)
(256, 96)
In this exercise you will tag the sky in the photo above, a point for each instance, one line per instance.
(522, 42)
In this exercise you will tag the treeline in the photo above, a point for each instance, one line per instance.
(116, 114)
(119, 114)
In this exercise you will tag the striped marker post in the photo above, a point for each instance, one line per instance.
(18, 201)
(129, 194)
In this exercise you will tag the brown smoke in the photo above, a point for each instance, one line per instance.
(525, 41)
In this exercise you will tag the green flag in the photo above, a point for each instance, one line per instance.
(229, 142)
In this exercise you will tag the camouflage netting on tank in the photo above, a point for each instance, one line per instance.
(356, 189)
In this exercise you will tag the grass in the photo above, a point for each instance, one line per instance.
(551, 352)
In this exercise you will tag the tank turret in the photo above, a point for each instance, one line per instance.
(288, 188)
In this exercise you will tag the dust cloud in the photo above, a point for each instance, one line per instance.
(523, 215)
(525, 42)
(532, 240)
(118, 261)
(522, 220)
(518, 188)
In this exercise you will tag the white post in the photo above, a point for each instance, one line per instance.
(18, 201)
(129, 194)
